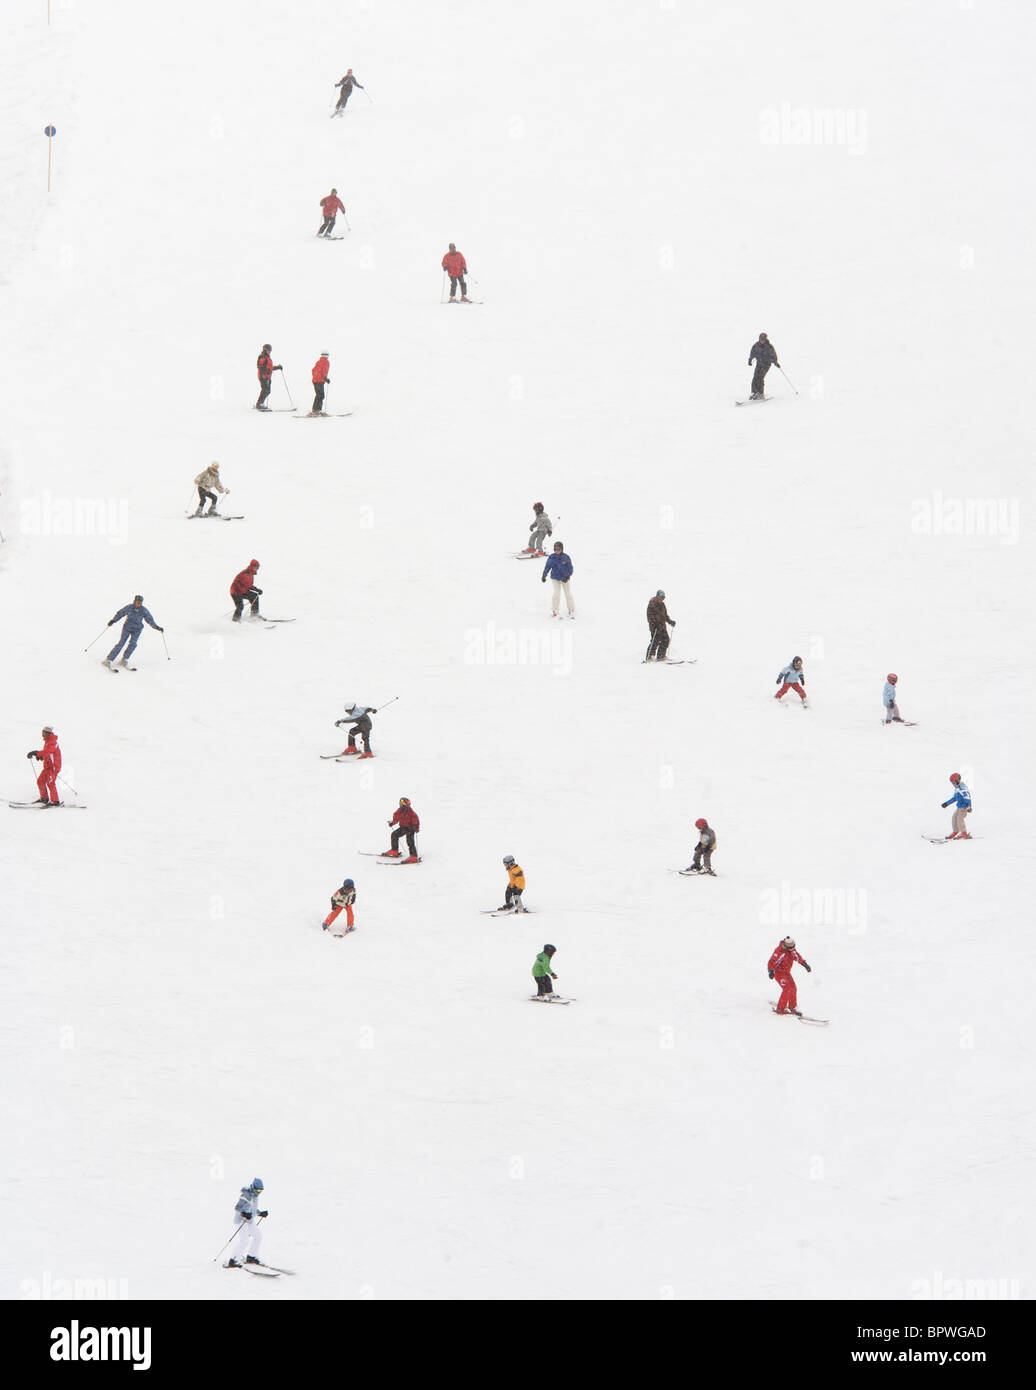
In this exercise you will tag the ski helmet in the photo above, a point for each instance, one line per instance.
(348, 883)
(954, 776)
(537, 506)
(788, 943)
(659, 593)
(404, 801)
(701, 823)
(549, 949)
(138, 598)
(325, 354)
(892, 678)
(253, 564)
(47, 729)
(508, 859)
(452, 246)
(763, 338)
(257, 1184)
(267, 347)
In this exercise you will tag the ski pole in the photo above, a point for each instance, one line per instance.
(166, 645)
(68, 785)
(345, 219)
(194, 502)
(231, 1237)
(784, 374)
(97, 638)
(387, 703)
(442, 296)
(285, 384)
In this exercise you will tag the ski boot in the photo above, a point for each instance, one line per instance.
(391, 854)
(411, 859)
(348, 752)
(251, 1260)
(232, 1264)
(368, 754)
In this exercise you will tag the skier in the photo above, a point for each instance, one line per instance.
(342, 897)
(136, 616)
(560, 569)
(204, 482)
(456, 268)
(888, 699)
(359, 717)
(249, 1236)
(702, 862)
(540, 528)
(792, 677)
(961, 799)
(764, 355)
(321, 368)
(658, 616)
(407, 823)
(515, 886)
(347, 84)
(541, 971)
(50, 756)
(778, 967)
(332, 206)
(265, 368)
(244, 587)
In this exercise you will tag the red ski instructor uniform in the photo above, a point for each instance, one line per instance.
(50, 756)
(778, 967)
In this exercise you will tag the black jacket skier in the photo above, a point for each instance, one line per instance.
(764, 355)
(347, 84)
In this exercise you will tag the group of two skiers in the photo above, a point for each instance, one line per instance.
(320, 377)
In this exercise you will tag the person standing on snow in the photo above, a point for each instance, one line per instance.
(961, 800)
(359, 717)
(249, 1237)
(50, 756)
(407, 823)
(778, 967)
(515, 886)
(205, 482)
(541, 970)
(764, 355)
(136, 616)
(888, 699)
(456, 267)
(792, 677)
(702, 862)
(347, 84)
(559, 567)
(540, 528)
(658, 616)
(343, 897)
(321, 378)
(244, 587)
(332, 206)
(265, 369)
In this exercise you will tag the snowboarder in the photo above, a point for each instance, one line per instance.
(961, 800)
(332, 206)
(540, 528)
(792, 677)
(702, 862)
(343, 897)
(205, 482)
(456, 268)
(50, 756)
(265, 368)
(407, 823)
(136, 616)
(559, 567)
(515, 886)
(244, 587)
(249, 1237)
(347, 84)
(888, 699)
(541, 971)
(764, 355)
(321, 368)
(658, 616)
(778, 967)
(359, 717)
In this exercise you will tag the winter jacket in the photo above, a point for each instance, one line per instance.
(244, 581)
(782, 960)
(789, 676)
(347, 83)
(406, 818)
(343, 897)
(658, 614)
(542, 524)
(706, 838)
(332, 205)
(321, 370)
(355, 712)
(264, 366)
(210, 478)
(961, 798)
(454, 264)
(541, 966)
(248, 1202)
(558, 566)
(135, 618)
(516, 878)
(50, 754)
(764, 353)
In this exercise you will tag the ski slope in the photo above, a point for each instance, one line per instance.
(172, 1020)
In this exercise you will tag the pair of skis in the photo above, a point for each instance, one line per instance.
(504, 911)
(691, 872)
(263, 1271)
(552, 999)
(39, 806)
(802, 1018)
(668, 661)
(345, 757)
(945, 839)
(383, 858)
(212, 516)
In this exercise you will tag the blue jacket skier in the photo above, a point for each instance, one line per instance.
(961, 800)
(888, 699)
(136, 616)
(559, 567)
(249, 1235)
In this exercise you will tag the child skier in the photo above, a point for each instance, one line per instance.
(778, 967)
(359, 717)
(407, 823)
(793, 678)
(541, 971)
(540, 529)
(249, 1236)
(888, 699)
(342, 897)
(703, 849)
(961, 799)
(515, 886)
(50, 756)
(205, 482)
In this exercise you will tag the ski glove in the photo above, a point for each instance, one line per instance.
(543, 580)
(807, 968)
(30, 755)
(246, 1216)
(770, 974)
(264, 1213)
(278, 368)
(258, 591)
(944, 804)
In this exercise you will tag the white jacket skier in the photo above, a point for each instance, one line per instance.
(249, 1233)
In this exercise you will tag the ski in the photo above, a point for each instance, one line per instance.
(696, 873)
(521, 555)
(907, 723)
(261, 1271)
(276, 1268)
(212, 516)
(686, 661)
(504, 911)
(550, 999)
(38, 806)
(398, 863)
(326, 756)
(330, 238)
(945, 839)
(355, 758)
(338, 935)
(263, 618)
(803, 1018)
(755, 400)
(327, 415)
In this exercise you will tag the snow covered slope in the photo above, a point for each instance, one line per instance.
(635, 193)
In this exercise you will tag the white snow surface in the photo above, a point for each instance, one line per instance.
(172, 1019)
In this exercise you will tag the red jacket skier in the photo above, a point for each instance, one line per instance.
(264, 370)
(406, 822)
(50, 756)
(456, 267)
(332, 205)
(778, 967)
(243, 587)
(321, 377)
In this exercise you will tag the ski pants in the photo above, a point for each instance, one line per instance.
(264, 390)
(361, 728)
(333, 915)
(343, 99)
(239, 603)
(544, 984)
(514, 895)
(761, 368)
(562, 586)
(408, 831)
(47, 784)
(328, 227)
(456, 280)
(538, 536)
(318, 395)
(958, 820)
(204, 495)
(702, 853)
(892, 715)
(248, 1240)
(134, 637)
(659, 644)
(799, 690)
(789, 994)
